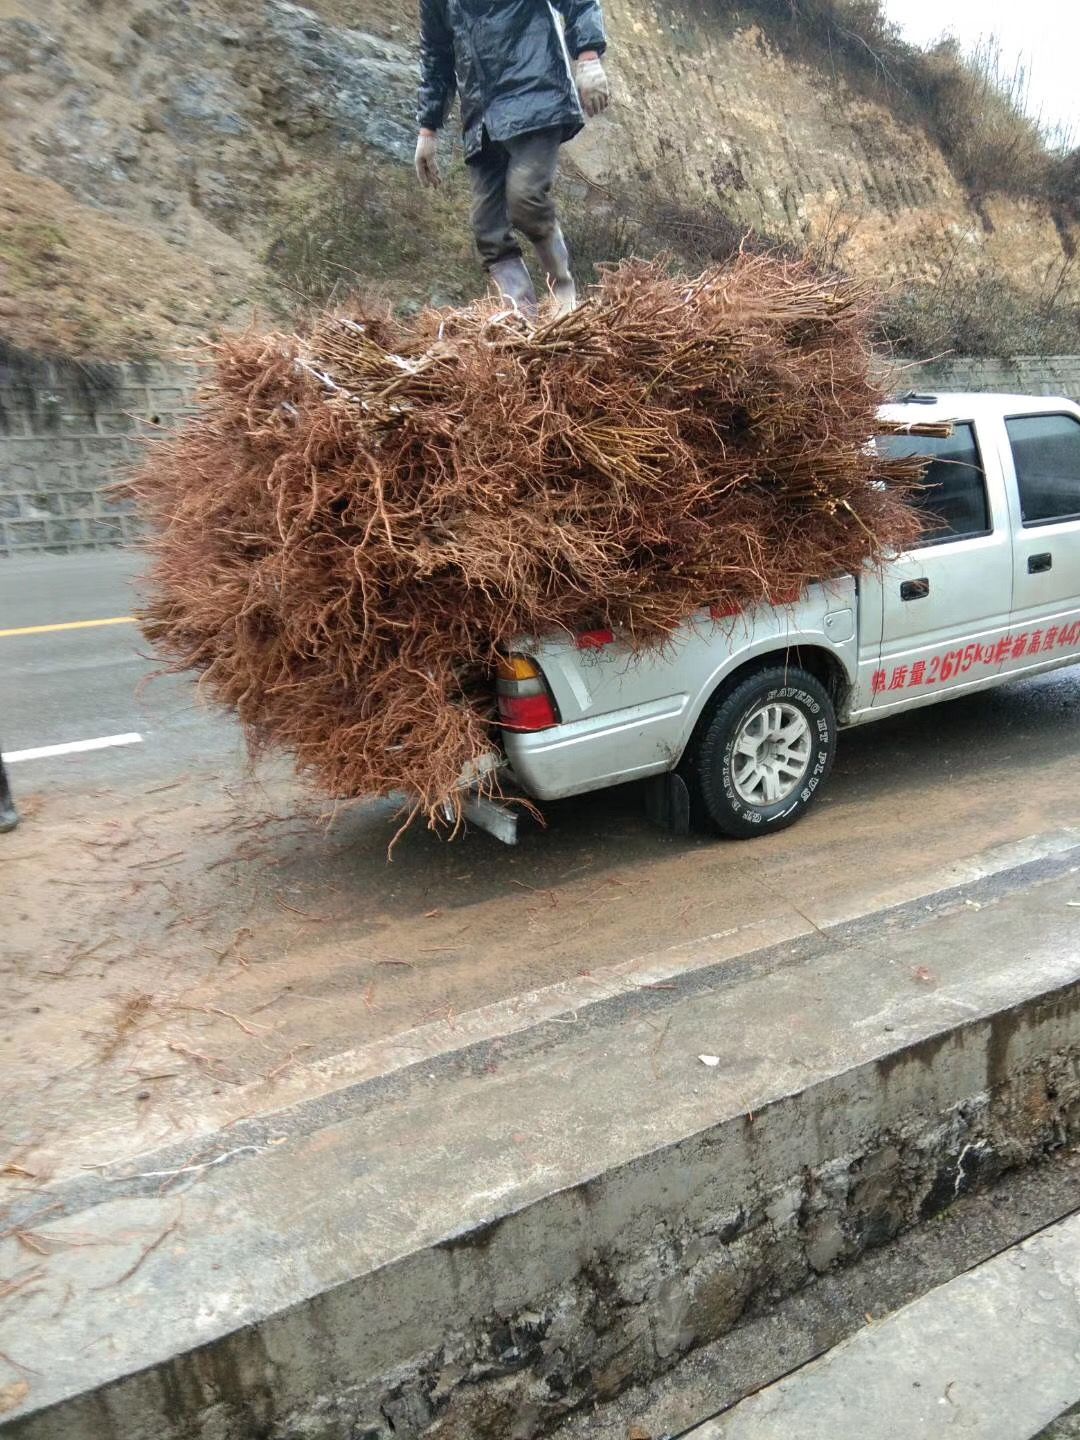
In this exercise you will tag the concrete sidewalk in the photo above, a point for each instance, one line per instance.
(488, 1240)
(994, 1353)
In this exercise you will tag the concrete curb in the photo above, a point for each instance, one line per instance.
(477, 1254)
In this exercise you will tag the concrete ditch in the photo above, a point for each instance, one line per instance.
(896, 1377)
(490, 1244)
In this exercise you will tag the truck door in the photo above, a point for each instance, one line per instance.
(1044, 452)
(946, 604)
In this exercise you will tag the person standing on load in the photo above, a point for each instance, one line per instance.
(526, 85)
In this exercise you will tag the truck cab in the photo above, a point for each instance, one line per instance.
(742, 711)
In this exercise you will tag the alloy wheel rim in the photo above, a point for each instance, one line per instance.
(771, 754)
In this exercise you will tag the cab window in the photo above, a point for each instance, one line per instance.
(1046, 453)
(953, 501)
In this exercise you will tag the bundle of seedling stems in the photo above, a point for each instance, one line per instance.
(361, 519)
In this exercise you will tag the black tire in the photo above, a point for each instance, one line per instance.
(710, 773)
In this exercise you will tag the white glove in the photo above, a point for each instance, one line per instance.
(592, 86)
(427, 159)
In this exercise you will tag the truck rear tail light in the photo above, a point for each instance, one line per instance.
(523, 699)
(527, 712)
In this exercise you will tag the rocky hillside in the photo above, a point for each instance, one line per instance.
(167, 165)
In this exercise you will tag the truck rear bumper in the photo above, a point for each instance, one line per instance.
(600, 750)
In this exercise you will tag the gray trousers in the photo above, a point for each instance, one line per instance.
(511, 184)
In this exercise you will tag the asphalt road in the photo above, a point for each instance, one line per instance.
(60, 685)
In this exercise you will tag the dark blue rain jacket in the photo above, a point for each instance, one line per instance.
(509, 62)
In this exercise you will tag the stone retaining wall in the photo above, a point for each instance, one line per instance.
(65, 437)
(1024, 375)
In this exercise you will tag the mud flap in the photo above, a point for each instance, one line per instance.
(667, 802)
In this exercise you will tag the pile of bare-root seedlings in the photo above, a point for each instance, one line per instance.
(358, 521)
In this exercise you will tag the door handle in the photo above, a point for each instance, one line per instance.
(914, 589)
(1039, 564)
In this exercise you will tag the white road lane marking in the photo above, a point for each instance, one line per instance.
(72, 747)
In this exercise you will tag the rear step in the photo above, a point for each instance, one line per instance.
(497, 817)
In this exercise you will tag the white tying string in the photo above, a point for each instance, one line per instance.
(186, 1169)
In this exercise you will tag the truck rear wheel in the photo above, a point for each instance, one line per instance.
(765, 753)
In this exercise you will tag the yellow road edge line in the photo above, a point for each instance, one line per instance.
(67, 625)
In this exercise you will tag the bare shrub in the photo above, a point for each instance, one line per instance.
(647, 219)
(1064, 185)
(973, 104)
(977, 107)
(985, 313)
(365, 224)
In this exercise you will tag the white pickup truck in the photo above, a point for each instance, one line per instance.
(740, 714)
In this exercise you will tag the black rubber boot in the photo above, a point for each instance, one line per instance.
(555, 258)
(9, 816)
(515, 283)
